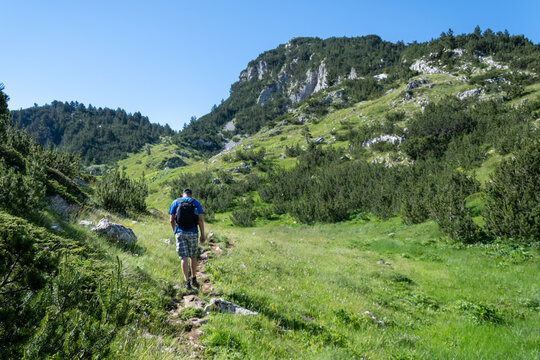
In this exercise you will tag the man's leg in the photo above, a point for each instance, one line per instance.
(193, 264)
(185, 268)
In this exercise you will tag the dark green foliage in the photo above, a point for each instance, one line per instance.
(250, 155)
(447, 207)
(434, 191)
(481, 313)
(24, 269)
(324, 188)
(243, 217)
(512, 196)
(80, 323)
(98, 135)
(215, 192)
(21, 190)
(117, 192)
(520, 52)
(430, 131)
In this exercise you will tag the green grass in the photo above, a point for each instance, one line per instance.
(312, 284)
(329, 273)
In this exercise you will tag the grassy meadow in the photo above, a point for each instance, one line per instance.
(313, 284)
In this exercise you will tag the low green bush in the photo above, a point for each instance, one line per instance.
(117, 192)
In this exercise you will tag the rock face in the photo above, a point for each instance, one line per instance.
(254, 71)
(229, 126)
(224, 306)
(315, 81)
(115, 232)
(266, 94)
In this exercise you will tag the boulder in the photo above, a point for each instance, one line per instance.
(224, 306)
(115, 232)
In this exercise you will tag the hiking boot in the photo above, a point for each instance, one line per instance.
(194, 282)
(187, 285)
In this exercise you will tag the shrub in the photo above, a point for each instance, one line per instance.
(512, 204)
(244, 217)
(117, 192)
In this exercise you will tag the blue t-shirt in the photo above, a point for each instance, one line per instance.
(198, 210)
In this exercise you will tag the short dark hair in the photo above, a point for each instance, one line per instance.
(187, 191)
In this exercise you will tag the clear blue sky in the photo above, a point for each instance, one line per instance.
(174, 59)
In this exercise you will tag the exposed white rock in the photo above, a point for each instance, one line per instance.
(383, 138)
(261, 69)
(492, 64)
(321, 77)
(380, 77)
(229, 126)
(458, 52)
(266, 94)
(469, 93)
(258, 71)
(315, 81)
(224, 306)
(229, 145)
(353, 74)
(423, 67)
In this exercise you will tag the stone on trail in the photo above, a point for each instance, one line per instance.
(193, 301)
(115, 232)
(224, 306)
(382, 262)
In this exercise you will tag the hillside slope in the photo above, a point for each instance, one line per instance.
(280, 79)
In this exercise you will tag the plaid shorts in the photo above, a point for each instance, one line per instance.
(187, 244)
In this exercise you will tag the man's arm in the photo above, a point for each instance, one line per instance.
(201, 227)
(173, 222)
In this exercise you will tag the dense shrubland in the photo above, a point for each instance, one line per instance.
(445, 142)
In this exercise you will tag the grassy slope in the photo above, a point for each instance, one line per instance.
(437, 301)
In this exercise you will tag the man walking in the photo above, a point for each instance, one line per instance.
(186, 213)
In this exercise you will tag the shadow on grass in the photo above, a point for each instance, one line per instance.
(287, 323)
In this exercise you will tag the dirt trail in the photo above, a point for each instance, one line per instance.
(190, 337)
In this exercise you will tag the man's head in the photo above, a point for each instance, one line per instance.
(186, 192)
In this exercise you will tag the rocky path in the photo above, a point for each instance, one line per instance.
(190, 337)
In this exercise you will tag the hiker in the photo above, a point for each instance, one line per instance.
(186, 213)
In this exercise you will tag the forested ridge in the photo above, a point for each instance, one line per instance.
(99, 135)
(348, 63)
